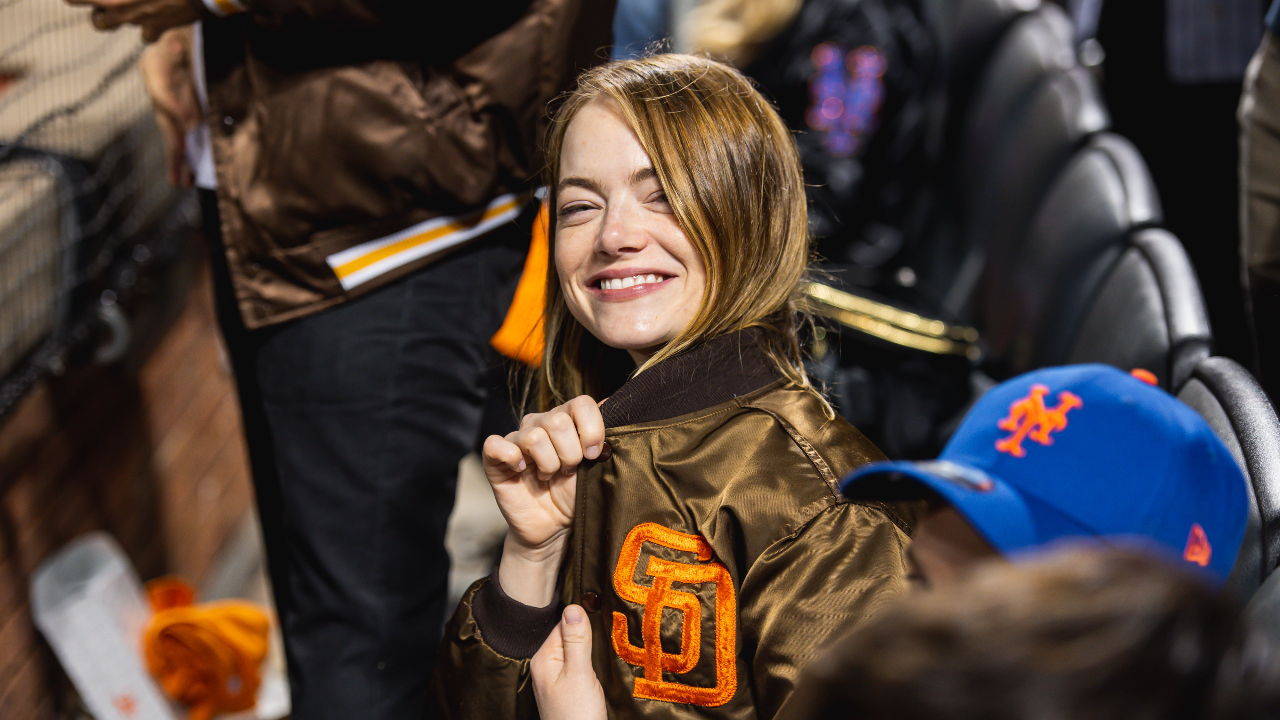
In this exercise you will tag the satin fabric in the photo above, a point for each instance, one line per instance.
(755, 477)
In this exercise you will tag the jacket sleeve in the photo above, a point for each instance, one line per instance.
(813, 586)
(481, 670)
(433, 20)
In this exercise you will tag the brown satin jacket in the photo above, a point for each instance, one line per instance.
(342, 130)
(711, 549)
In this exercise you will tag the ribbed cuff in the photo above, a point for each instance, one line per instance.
(509, 626)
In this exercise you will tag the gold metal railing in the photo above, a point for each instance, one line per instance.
(891, 324)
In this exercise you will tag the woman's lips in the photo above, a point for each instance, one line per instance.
(629, 287)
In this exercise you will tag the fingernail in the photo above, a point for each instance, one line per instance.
(520, 467)
(592, 451)
(573, 615)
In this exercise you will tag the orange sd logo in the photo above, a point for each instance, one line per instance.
(659, 596)
(1029, 418)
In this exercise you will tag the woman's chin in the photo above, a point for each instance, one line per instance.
(636, 343)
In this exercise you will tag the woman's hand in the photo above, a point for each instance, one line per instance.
(533, 472)
(167, 74)
(564, 682)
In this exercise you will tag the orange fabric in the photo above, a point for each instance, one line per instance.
(520, 336)
(1029, 418)
(651, 657)
(170, 592)
(205, 656)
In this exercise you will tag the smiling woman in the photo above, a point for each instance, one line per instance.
(679, 163)
(682, 468)
(627, 270)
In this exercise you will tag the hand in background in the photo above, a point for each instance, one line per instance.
(564, 682)
(533, 472)
(153, 16)
(167, 73)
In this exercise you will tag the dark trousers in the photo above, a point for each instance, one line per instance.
(356, 418)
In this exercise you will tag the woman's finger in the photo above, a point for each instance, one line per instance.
(575, 634)
(536, 446)
(563, 433)
(502, 454)
(590, 424)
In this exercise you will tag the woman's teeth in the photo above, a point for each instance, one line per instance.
(626, 282)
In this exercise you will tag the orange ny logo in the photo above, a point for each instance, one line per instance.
(660, 595)
(1029, 418)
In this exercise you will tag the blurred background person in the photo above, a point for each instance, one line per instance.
(1260, 200)
(361, 185)
(1080, 633)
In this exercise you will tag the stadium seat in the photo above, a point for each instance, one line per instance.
(1148, 313)
(1000, 194)
(1263, 611)
(972, 32)
(1035, 293)
(1237, 409)
(1036, 45)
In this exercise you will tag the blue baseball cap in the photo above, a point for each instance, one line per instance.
(1085, 451)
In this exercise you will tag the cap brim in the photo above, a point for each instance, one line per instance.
(990, 505)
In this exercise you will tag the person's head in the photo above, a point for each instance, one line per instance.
(1076, 452)
(1077, 634)
(678, 214)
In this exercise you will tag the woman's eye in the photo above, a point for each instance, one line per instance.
(569, 210)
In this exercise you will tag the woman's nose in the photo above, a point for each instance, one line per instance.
(620, 232)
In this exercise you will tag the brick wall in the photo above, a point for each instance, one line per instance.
(150, 450)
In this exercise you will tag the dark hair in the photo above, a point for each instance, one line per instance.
(1081, 633)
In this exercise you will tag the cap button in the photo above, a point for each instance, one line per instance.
(590, 602)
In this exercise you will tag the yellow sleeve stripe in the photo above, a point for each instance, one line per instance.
(366, 261)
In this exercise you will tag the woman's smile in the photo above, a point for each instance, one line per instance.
(622, 284)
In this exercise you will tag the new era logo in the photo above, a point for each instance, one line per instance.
(1198, 549)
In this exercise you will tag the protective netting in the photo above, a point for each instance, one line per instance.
(83, 199)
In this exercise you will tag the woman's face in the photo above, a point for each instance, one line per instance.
(628, 272)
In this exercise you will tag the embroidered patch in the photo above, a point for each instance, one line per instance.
(1029, 418)
(1198, 549)
(651, 657)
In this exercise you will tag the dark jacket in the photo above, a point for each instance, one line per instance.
(337, 123)
(711, 549)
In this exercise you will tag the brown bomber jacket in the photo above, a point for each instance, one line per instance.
(711, 548)
(339, 123)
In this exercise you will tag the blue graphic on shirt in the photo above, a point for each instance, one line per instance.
(846, 90)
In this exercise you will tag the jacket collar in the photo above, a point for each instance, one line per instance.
(712, 373)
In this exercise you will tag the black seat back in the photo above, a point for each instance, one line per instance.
(974, 29)
(1000, 194)
(1035, 293)
(1148, 313)
(1036, 45)
(1237, 409)
(970, 34)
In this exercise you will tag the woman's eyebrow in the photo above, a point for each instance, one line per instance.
(642, 175)
(581, 182)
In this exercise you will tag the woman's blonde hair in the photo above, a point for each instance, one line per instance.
(732, 176)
